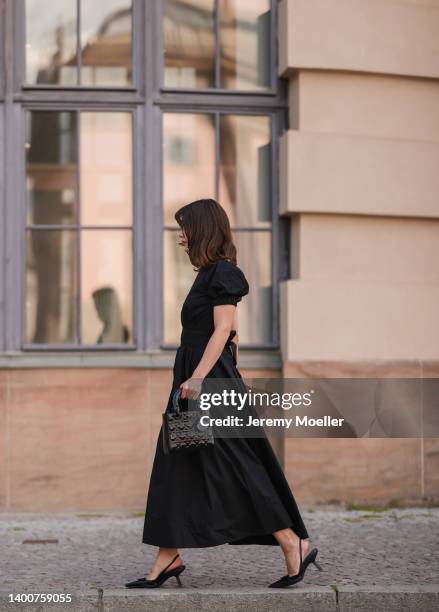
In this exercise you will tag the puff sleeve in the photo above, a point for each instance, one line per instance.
(228, 284)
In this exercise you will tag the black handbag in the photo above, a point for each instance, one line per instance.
(182, 430)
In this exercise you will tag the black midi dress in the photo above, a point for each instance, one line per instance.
(234, 491)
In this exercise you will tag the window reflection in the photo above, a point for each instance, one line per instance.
(51, 156)
(188, 174)
(189, 43)
(105, 42)
(106, 168)
(178, 276)
(51, 42)
(255, 312)
(51, 287)
(245, 193)
(189, 160)
(106, 286)
(245, 44)
(103, 186)
(245, 170)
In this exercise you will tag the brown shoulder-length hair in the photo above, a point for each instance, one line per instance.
(207, 228)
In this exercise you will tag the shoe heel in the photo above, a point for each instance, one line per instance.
(180, 584)
(318, 566)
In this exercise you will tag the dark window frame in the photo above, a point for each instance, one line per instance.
(147, 102)
(3, 32)
(80, 227)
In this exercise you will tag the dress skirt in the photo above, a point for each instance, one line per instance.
(233, 491)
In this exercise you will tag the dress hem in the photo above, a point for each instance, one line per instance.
(240, 541)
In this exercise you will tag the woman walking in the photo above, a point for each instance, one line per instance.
(233, 491)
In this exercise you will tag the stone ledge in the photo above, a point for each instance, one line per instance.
(221, 600)
(248, 358)
(388, 599)
(169, 599)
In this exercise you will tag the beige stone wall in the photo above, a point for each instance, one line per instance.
(78, 439)
(81, 439)
(360, 181)
(365, 471)
(379, 36)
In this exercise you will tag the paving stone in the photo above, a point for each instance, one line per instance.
(363, 554)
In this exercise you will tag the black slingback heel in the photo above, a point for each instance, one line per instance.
(287, 580)
(144, 583)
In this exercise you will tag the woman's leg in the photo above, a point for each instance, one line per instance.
(164, 558)
(289, 542)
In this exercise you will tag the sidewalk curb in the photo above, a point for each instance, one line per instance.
(314, 599)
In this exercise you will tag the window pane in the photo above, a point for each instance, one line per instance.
(189, 160)
(178, 278)
(245, 44)
(189, 43)
(106, 168)
(106, 42)
(255, 310)
(51, 156)
(106, 286)
(51, 286)
(245, 172)
(51, 42)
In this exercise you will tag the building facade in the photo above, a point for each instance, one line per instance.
(315, 123)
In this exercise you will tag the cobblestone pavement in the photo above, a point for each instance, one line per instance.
(86, 551)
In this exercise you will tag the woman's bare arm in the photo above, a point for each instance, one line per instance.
(223, 318)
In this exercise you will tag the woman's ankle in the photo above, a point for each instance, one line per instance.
(170, 556)
(288, 540)
(166, 553)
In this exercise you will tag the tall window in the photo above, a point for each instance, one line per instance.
(79, 273)
(226, 156)
(79, 228)
(115, 113)
(225, 152)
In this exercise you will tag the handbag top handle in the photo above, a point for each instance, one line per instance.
(175, 401)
